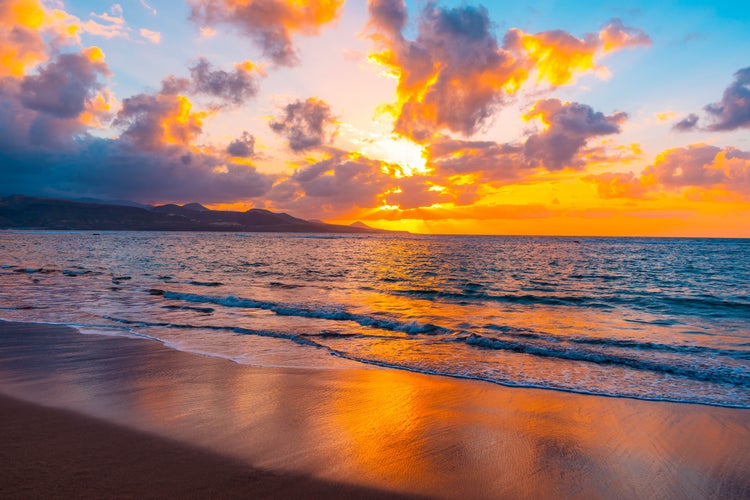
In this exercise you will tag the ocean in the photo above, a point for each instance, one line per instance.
(648, 318)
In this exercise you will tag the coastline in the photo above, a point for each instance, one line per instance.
(383, 430)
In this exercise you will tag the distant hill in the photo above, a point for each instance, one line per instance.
(27, 212)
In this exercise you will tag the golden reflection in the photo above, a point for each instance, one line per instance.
(379, 420)
(401, 431)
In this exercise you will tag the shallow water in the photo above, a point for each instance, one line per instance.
(664, 319)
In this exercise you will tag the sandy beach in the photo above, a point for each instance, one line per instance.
(89, 415)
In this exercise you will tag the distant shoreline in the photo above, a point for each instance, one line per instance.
(27, 212)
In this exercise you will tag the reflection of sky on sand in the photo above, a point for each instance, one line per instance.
(388, 428)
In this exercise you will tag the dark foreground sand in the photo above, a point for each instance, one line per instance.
(132, 418)
(52, 453)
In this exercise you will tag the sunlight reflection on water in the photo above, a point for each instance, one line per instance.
(647, 318)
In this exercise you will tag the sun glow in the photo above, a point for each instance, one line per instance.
(409, 156)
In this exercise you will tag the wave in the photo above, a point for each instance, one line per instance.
(334, 314)
(715, 374)
(130, 326)
(513, 298)
(206, 283)
(706, 305)
(629, 344)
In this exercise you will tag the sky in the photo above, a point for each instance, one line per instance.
(493, 117)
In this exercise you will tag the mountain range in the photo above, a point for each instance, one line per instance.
(27, 212)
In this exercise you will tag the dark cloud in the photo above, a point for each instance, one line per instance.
(306, 124)
(733, 111)
(388, 15)
(64, 86)
(271, 24)
(47, 156)
(234, 87)
(243, 146)
(115, 169)
(54, 107)
(690, 122)
(569, 126)
(333, 187)
(54, 133)
(22, 128)
(173, 85)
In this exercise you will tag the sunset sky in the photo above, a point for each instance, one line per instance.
(569, 118)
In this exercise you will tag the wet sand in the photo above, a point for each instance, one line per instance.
(52, 453)
(158, 422)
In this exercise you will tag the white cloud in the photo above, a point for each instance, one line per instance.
(151, 36)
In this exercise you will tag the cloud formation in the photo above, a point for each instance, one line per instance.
(333, 187)
(64, 86)
(152, 161)
(151, 36)
(23, 24)
(51, 98)
(453, 76)
(56, 103)
(568, 127)
(306, 124)
(271, 24)
(153, 122)
(114, 169)
(234, 87)
(485, 161)
(347, 183)
(733, 111)
(690, 122)
(697, 166)
(243, 146)
(701, 166)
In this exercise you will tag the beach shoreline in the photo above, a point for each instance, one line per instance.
(382, 430)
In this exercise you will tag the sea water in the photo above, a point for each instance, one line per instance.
(656, 318)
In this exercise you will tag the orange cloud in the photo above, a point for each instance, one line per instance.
(270, 23)
(689, 170)
(21, 45)
(454, 75)
(27, 27)
(155, 121)
(702, 166)
(616, 35)
(611, 185)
